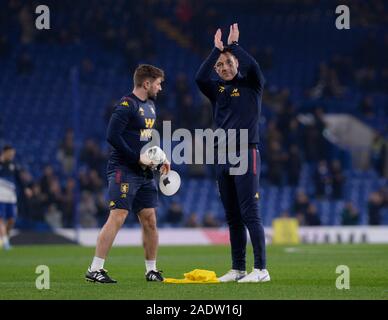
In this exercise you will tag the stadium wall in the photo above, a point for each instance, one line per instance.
(204, 236)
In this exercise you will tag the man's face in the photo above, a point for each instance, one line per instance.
(226, 66)
(153, 87)
(9, 155)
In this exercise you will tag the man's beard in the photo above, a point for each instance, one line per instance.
(152, 96)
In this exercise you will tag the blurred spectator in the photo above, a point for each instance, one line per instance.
(66, 151)
(55, 193)
(210, 221)
(285, 116)
(293, 136)
(95, 182)
(68, 202)
(174, 214)
(294, 165)
(36, 203)
(47, 178)
(92, 156)
(276, 99)
(192, 221)
(311, 217)
(24, 193)
(53, 216)
(375, 204)
(90, 180)
(322, 179)
(83, 177)
(337, 179)
(350, 215)
(327, 83)
(272, 133)
(276, 159)
(26, 178)
(311, 146)
(301, 203)
(301, 219)
(314, 140)
(87, 211)
(320, 126)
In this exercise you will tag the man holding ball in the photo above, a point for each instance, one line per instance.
(131, 182)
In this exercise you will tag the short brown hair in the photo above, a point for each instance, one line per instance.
(144, 72)
(8, 147)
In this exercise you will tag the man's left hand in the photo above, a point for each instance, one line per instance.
(165, 168)
(234, 34)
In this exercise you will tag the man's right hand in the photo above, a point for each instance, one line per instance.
(152, 157)
(145, 161)
(217, 40)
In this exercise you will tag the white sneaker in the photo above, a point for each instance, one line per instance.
(233, 275)
(256, 275)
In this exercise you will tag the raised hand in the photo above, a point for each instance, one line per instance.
(217, 40)
(234, 33)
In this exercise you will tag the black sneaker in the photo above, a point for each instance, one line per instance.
(100, 276)
(154, 276)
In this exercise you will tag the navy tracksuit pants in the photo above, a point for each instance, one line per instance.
(240, 198)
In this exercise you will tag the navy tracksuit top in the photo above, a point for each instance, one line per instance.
(236, 103)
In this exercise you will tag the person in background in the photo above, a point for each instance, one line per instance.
(350, 215)
(10, 180)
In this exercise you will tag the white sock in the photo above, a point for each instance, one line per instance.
(150, 265)
(97, 264)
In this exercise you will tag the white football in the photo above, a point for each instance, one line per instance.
(156, 155)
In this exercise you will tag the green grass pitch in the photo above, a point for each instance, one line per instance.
(302, 272)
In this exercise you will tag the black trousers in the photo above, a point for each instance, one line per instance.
(240, 198)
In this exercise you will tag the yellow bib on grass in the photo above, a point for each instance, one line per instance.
(196, 276)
